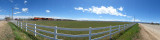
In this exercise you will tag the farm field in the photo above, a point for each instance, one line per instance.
(74, 24)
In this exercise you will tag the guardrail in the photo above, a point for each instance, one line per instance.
(90, 29)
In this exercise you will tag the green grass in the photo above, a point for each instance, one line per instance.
(20, 34)
(77, 24)
(74, 24)
(130, 33)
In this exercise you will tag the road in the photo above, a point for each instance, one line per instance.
(5, 31)
(149, 32)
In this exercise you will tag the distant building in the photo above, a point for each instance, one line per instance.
(38, 18)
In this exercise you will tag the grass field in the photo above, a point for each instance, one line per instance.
(20, 34)
(130, 33)
(74, 24)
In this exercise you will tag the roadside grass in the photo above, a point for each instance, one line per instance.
(20, 34)
(74, 24)
(129, 34)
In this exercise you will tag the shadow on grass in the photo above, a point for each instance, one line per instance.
(29, 35)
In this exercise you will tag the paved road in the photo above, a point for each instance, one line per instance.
(5, 31)
(149, 32)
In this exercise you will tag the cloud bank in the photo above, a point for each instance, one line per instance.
(102, 10)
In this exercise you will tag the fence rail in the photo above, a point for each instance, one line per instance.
(20, 24)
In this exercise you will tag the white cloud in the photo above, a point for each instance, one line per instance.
(24, 9)
(120, 9)
(48, 11)
(93, 19)
(100, 16)
(136, 20)
(80, 8)
(11, 1)
(17, 12)
(16, 8)
(155, 22)
(25, 2)
(102, 10)
(2, 16)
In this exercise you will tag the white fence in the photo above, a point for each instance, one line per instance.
(90, 29)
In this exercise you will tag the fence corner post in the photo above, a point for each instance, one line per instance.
(55, 33)
(21, 25)
(26, 26)
(110, 33)
(90, 33)
(34, 29)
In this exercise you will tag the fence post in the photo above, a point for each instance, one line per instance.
(26, 26)
(119, 28)
(127, 26)
(34, 29)
(18, 23)
(55, 33)
(90, 33)
(110, 33)
(124, 26)
(21, 25)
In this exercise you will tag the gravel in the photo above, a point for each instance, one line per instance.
(149, 32)
(5, 31)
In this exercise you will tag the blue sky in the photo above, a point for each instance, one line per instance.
(104, 10)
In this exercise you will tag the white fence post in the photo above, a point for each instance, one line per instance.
(110, 33)
(26, 26)
(127, 26)
(124, 26)
(18, 23)
(21, 25)
(90, 33)
(119, 28)
(35, 30)
(55, 33)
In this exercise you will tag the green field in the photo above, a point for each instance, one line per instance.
(74, 24)
(130, 34)
(21, 34)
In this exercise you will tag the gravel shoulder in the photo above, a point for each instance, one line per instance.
(149, 32)
(5, 31)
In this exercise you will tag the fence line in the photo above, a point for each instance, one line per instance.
(90, 29)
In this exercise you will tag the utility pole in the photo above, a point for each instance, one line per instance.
(12, 13)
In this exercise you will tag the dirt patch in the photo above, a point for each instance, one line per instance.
(5, 31)
(148, 32)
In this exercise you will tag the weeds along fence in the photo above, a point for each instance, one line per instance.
(90, 29)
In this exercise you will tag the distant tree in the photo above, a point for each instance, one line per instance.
(7, 18)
